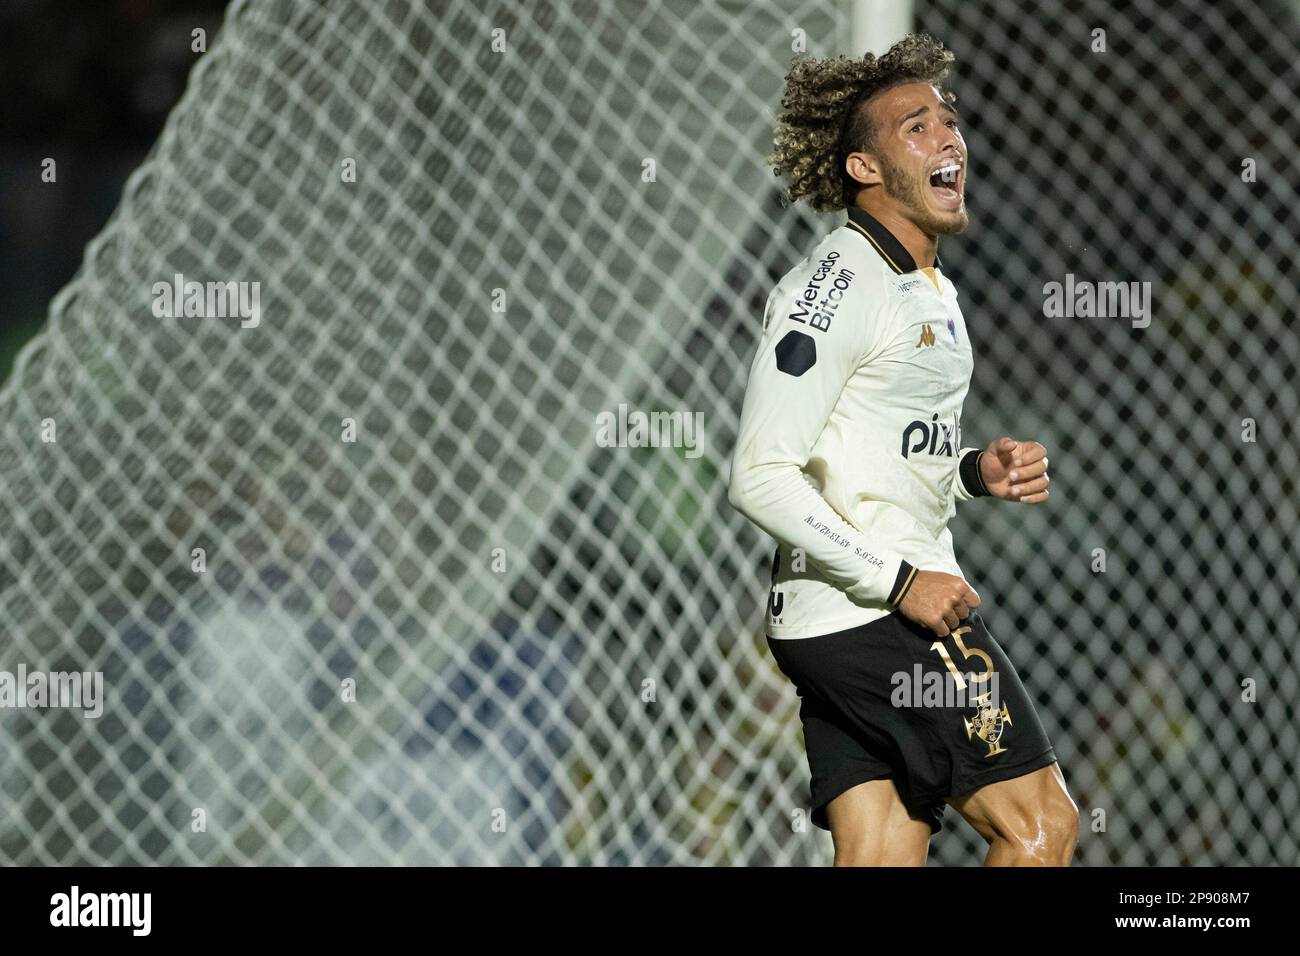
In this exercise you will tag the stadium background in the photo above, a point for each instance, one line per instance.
(499, 587)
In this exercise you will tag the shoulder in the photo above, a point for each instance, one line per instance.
(841, 275)
(842, 251)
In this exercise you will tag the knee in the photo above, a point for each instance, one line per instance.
(1053, 831)
(1062, 825)
(856, 857)
(896, 852)
(860, 852)
(877, 858)
(1042, 834)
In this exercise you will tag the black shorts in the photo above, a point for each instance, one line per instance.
(878, 701)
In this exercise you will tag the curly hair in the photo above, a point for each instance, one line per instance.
(821, 119)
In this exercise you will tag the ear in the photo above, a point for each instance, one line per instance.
(863, 168)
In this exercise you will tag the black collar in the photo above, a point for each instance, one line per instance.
(885, 242)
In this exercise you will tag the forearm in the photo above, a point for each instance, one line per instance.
(779, 499)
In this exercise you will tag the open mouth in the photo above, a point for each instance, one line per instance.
(946, 181)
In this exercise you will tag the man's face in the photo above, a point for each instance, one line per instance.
(922, 157)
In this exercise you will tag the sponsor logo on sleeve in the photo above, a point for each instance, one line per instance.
(817, 304)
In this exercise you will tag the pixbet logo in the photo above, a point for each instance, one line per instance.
(924, 437)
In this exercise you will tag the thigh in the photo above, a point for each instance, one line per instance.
(1017, 809)
(871, 827)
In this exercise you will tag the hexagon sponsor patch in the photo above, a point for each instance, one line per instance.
(796, 353)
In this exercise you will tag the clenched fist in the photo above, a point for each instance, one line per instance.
(938, 601)
(1015, 470)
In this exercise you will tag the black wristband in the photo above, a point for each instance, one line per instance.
(969, 472)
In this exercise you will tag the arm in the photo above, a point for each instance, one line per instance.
(794, 384)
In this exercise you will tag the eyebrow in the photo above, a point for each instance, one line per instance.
(925, 109)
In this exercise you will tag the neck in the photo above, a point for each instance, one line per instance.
(921, 247)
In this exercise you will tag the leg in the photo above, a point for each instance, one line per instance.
(871, 827)
(1027, 821)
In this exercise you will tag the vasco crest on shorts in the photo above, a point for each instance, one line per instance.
(988, 724)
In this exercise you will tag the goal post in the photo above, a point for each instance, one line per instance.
(875, 25)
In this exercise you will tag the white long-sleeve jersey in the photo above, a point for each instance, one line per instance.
(849, 452)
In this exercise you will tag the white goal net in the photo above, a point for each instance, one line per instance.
(365, 584)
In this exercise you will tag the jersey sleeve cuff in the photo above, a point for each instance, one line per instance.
(968, 472)
(902, 583)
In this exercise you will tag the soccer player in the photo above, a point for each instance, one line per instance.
(850, 456)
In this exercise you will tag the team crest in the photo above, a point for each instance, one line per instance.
(952, 329)
(988, 724)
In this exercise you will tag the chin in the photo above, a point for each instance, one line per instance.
(946, 223)
(953, 223)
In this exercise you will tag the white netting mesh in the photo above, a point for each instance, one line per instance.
(498, 586)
